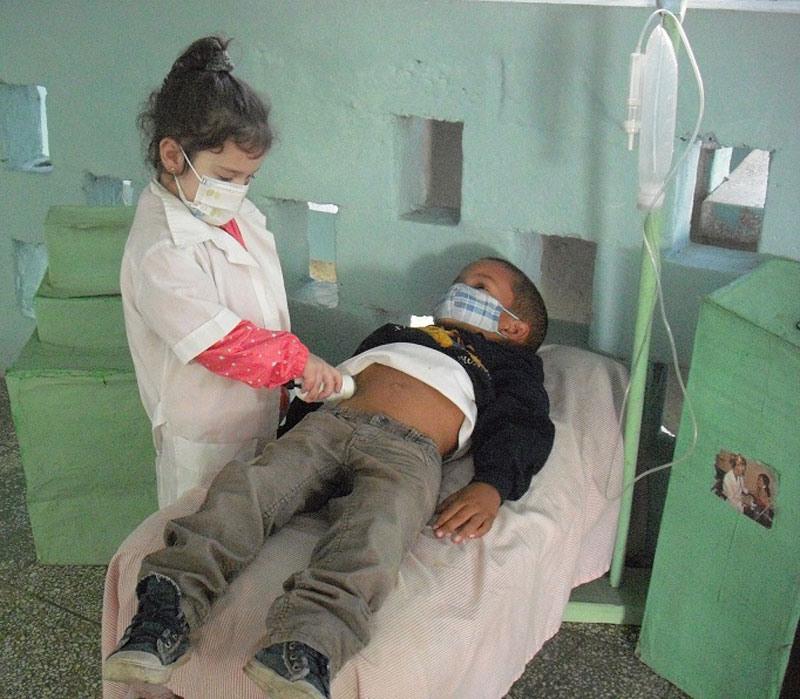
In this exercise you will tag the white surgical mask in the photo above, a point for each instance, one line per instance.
(472, 306)
(216, 201)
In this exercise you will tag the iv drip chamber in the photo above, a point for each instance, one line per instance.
(633, 122)
(659, 108)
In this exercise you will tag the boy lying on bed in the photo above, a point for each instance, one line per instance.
(375, 460)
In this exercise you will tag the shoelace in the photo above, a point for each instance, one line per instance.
(306, 660)
(298, 662)
(150, 622)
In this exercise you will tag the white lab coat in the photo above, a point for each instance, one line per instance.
(185, 285)
(733, 488)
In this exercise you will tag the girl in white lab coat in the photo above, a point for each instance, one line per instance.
(202, 289)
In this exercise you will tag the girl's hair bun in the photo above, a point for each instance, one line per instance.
(220, 63)
(209, 53)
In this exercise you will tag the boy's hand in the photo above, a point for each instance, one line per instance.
(468, 513)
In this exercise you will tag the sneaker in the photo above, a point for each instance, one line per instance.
(290, 670)
(157, 640)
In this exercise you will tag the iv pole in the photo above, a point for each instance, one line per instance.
(649, 269)
(633, 415)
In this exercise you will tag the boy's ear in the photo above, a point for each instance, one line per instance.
(515, 330)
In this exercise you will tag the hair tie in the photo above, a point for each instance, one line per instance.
(221, 63)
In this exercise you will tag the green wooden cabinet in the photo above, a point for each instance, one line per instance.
(724, 596)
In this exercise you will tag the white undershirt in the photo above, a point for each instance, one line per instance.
(431, 367)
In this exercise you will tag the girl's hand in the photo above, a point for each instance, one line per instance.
(319, 380)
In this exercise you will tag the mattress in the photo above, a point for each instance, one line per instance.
(463, 619)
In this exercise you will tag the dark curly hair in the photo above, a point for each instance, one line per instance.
(201, 105)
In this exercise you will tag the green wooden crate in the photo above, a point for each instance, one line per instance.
(92, 322)
(724, 598)
(86, 450)
(84, 248)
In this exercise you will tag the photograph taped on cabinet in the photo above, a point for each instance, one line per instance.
(748, 485)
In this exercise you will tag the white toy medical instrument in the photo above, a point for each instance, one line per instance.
(347, 390)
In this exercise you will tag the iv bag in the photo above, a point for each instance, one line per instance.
(659, 107)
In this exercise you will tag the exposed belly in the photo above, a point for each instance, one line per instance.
(381, 389)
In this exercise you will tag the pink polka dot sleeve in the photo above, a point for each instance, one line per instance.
(255, 356)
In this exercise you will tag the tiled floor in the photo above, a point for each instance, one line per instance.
(50, 623)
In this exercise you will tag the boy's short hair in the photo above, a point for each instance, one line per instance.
(528, 303)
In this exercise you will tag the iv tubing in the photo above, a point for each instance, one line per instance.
(649, 291)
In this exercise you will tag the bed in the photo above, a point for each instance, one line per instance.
(463, 620)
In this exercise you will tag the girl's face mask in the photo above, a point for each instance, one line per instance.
(216, 201)
(472, 306)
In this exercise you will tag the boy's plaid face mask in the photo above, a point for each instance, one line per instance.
(476, 307)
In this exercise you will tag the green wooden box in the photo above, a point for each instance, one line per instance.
(86, 450)
(79, 321)
(724, 596)
(84, 248)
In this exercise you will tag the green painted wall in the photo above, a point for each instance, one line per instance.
(540, 89)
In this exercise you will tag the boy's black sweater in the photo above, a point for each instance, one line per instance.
(513, 433)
